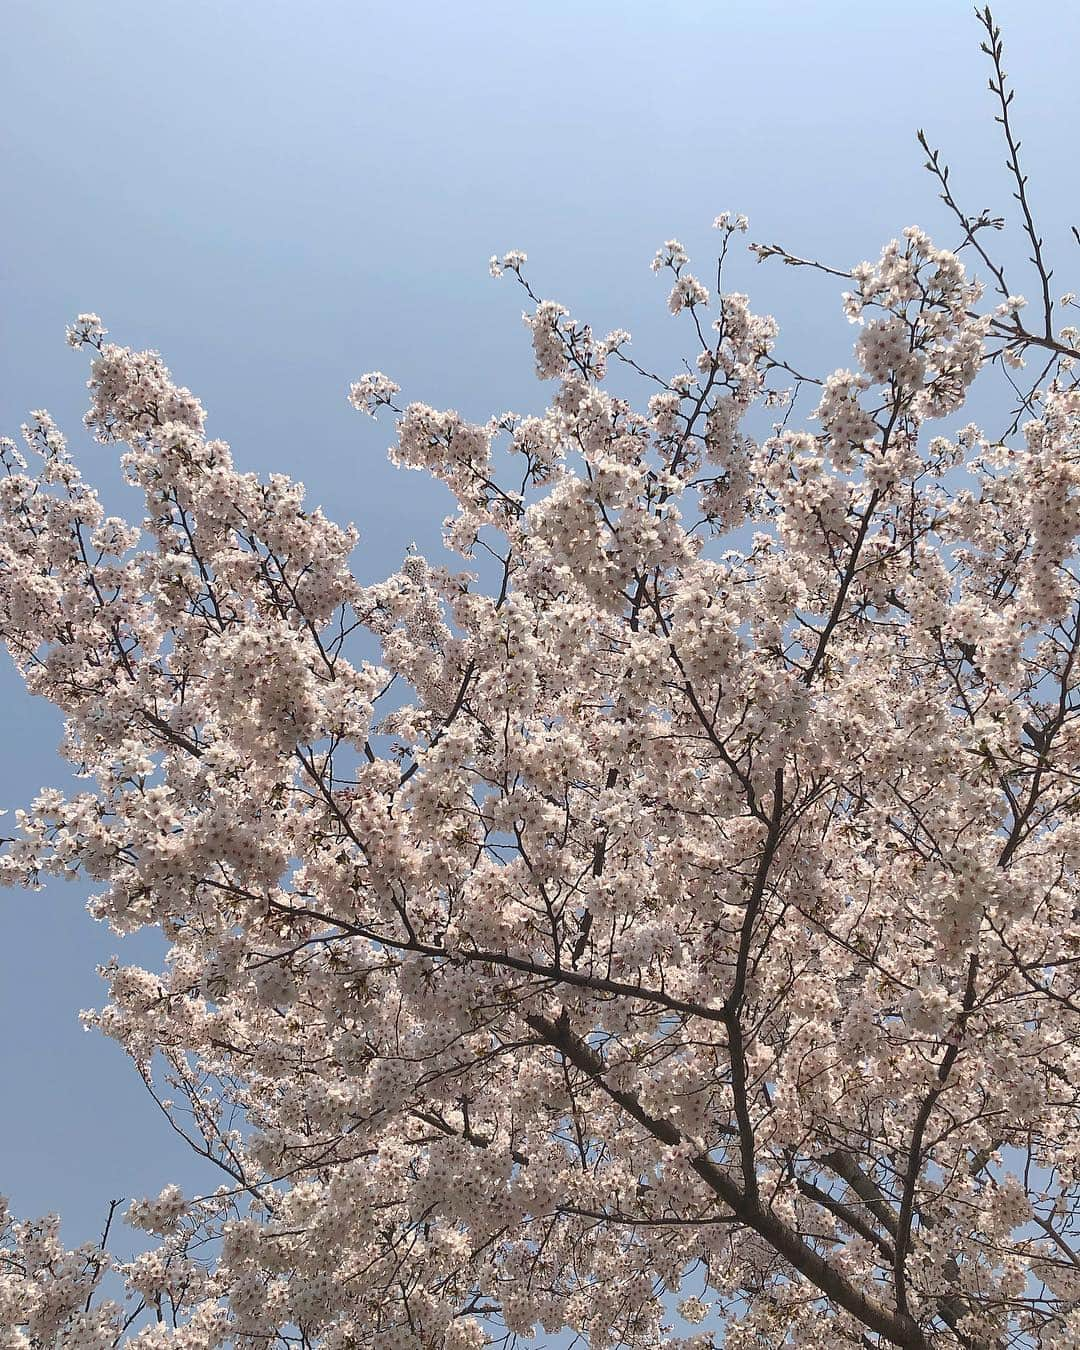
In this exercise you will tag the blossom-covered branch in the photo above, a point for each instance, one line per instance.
(685, 898)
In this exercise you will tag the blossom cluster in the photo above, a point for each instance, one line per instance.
(679, 910)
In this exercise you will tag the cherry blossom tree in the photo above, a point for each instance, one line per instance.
(665, 928)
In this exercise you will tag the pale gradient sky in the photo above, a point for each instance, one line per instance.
(280, 196)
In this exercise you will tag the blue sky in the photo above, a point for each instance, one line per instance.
(280, 197)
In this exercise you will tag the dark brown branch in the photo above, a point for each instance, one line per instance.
(896, 1327)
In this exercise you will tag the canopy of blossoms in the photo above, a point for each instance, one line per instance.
(668, 922)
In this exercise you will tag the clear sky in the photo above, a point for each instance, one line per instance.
(281, 196)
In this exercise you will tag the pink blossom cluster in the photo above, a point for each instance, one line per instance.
(680, 911)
